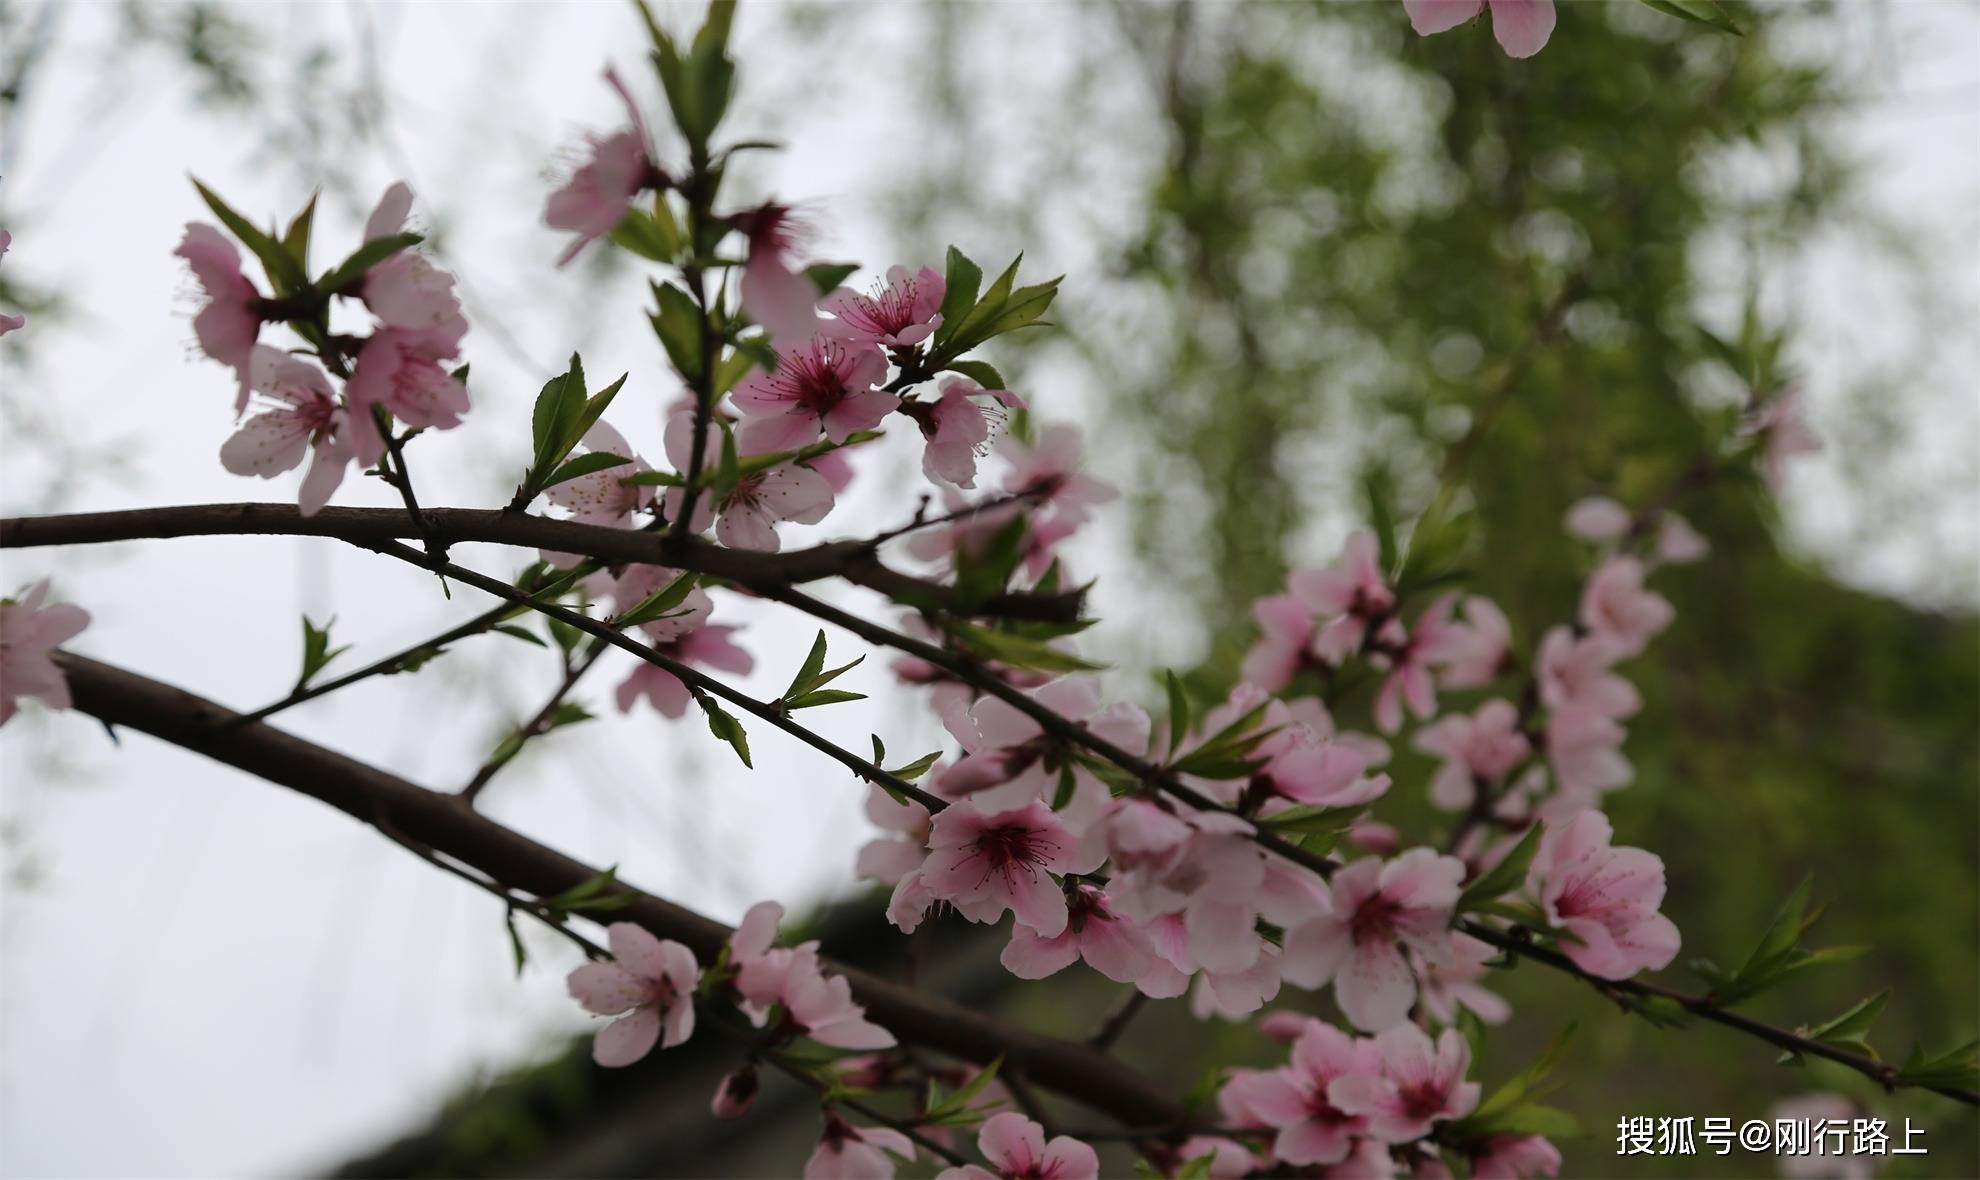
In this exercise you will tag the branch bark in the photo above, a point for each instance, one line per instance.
(120, 697)
(854, 561)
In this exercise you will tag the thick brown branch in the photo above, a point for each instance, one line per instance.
(855, 561)
(445, 824)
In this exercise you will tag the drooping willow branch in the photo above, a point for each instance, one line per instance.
(442, 822)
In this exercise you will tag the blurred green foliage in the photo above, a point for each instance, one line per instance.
(1440, 265)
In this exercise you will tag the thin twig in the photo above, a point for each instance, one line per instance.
(1116, 1023)
(537, 725)
(390, 664)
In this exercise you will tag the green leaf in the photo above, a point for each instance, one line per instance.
(583, 465)
(677, 322)
(725, 726)
(1016, 650)
(1178, 709)
(962, 278)
(639, 232)
(515, 941)
(942, 1106)
(659, 603)
(1508, 875)
(981, 372)
(600, 887)
(344, 277)
(317, 651)
(1779, 952)
(814, 662)
(916, 768)
(1311, 821)
(283, 273)
(823, 696)
(827, 276)
(1517, 1090)
(296, 239)
(1958, 1068)
(1704, 12)
(1851, 1030)
(515, 632)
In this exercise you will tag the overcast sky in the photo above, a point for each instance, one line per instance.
(200, 974)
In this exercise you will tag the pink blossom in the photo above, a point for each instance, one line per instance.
(1312, 1129)
(604, 497)
(1615, 604)
(1349, 593)
(957, 429)
(1306, 769)
(1370, 1160)
(891, 857)
(825, 384)
(900, 313)
(1515, 1157)
(1481, 747)
(1473, 652)
(1234, 995)
(1781, 425)
(1374, 910)
(599, 194)
(406, 290)
(1584, 748)
(708, 645)
(1521, 26)
(1140, 834)
(1605, 897)
(1015, 1148)
(1109, 943)
(846, 1152)
(229, 324)
(1453, 983)
(299, 416)
(749, 513)
(1578, 671)
(1410, 657)
(1418, 1084)
(984, 864)
(1049, 467)
(30, 630)
(1598, 518)
(1285, 637)
(401, 370)
(1678, 543)
(775, 292)
(8, 323)
(637, 583)
(1229, 1159)
(1008, 761)
(815, 1005)
(649, 985)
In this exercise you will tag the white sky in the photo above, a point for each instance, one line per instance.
(203, 975)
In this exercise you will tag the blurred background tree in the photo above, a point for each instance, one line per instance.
(1376, 267)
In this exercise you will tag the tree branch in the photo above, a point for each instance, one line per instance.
(854, 561)
(441, 822)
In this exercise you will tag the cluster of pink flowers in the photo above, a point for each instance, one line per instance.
(1347, 1103)
(31, 628)
(401, 368)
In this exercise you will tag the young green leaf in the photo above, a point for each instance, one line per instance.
(725, 726)
(1504, 877)
(345, 276)
(659, 603)
(583, 465)
(317, 652)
